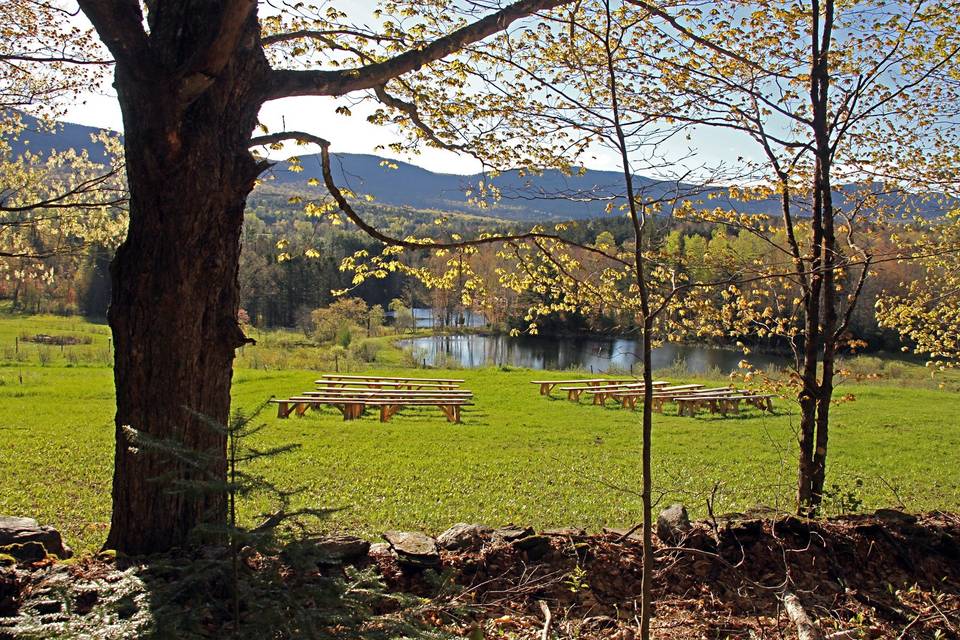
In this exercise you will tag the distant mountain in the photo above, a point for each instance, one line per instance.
(40, 139)
(550, 196)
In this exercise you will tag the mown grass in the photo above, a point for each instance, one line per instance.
(517, 456)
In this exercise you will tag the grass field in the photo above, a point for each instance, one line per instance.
(517, 457)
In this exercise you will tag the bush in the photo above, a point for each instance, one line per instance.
(678, 369)
(367, 350)
(894, 370)
(413, 357)
(45, 355)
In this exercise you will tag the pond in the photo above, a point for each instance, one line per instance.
(595, 353)
(427, 318)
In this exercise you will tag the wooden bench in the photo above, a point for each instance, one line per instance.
(390, 393)
(661, 396)
(383, 384)
(546, 386)
(337, 376)
(352, 407)
(601, 393)
(723, 404)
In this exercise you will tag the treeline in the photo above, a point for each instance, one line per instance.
(291, 266)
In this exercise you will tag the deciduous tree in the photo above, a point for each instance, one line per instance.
(191, 78)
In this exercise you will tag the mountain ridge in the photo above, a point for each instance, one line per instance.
(549, 196)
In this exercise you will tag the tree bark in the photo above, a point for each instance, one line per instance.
(175, 295)
(824, 168)
(820, 302)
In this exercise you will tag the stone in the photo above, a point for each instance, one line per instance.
(14, 530)
(535, 546)
(565, 533)
(25, 551)
(635, 535)
(463, 536)
(894, 515)
(511, 533)
(414, 548)
(378, 549)
(342, 549)
(673, 524)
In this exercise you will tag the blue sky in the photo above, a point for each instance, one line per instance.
(353, 134)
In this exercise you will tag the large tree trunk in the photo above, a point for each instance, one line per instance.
(175, 292)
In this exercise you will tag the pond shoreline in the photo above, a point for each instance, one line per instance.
(475, 348)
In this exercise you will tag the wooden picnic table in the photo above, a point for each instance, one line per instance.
(546, 386)
(337, 376)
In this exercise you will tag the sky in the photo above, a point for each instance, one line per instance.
(353, 134)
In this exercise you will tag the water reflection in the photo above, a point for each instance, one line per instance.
(594, 353)
(426, 318)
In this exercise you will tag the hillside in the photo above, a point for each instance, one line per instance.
(551, 196)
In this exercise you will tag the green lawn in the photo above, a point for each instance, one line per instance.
(517, 456)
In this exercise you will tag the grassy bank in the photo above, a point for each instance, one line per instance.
(517, 457)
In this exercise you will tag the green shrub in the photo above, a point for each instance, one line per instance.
(894, 370)
(44, 355)
(367, 350)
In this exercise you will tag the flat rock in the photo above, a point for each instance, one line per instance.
(20, 531)
(338, 549)
(511, 533)
(414, 548)
(463, 536)
(894, 515)
(635, 536)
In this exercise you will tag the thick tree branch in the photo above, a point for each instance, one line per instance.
(323, 35)
(201, 70)
(33, 57)
(119, 24)
(285, 83)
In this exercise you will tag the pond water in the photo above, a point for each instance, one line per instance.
(426, 318)
(597, 354)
